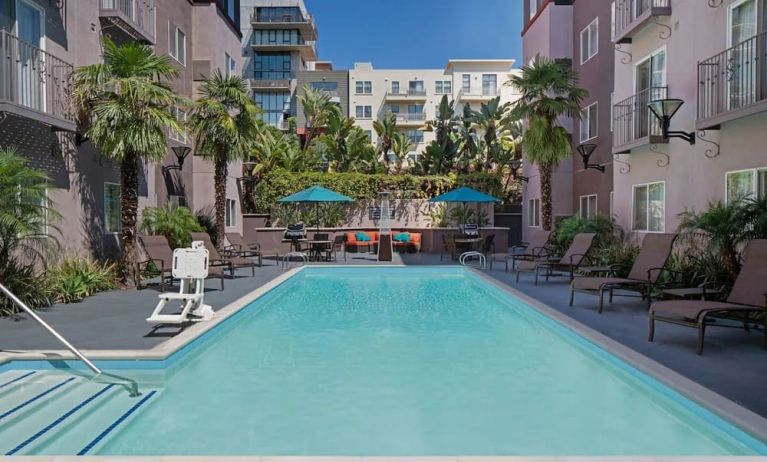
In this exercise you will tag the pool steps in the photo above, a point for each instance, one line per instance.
(62, 413)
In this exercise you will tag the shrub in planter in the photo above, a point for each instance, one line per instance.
(175, 223)
(77, 278)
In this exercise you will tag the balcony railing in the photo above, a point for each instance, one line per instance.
(631, 14)
(34, 83)
(135, 17)
(305, 24)
(733, 83)
(481, 93)
(410, 117)
(634, 124)
(408, 93)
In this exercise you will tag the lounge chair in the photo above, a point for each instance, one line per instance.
(644, 274)
(160, 253)
(536, 249)
(575, 256)
(238, 247)
(448, 246)
(748, 297)
(217, 260)
(339, 243)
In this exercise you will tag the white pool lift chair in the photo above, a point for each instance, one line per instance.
(190, 266)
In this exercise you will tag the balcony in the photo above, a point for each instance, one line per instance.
(411, 119)
(406, 95)
(634, 124)
(307, 48)
(631, 15)
(34, 84)
(733, 83)
(282, 84)
(483, 94)
(136, 18)
(305, 25)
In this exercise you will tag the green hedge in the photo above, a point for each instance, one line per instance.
(361, 186)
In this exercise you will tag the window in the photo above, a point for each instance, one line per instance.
(650, 207)
(588, 206)
(534, 213)
(415, 136)
(272, 66)
(369, 134)
(590, 41)
(394, 108)
(466, 82)
(612, 110)
(746, 183)
(324, 86)
(274, 105)
(395, 87)
(363, 87)
(176, 201)
(231, 66)
(612, 204)
(443, 87)
(40, 225)
(489, 84)
(180, 115)
(112, 222)
(533, 8)
(176, 43)
(231, 213)
(589, 122)
(416, 87)
(277, 37)
(364, 112)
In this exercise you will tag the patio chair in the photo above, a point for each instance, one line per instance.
(575, 256)
(338, 244)
(161, 255)
(217, 260)
(538, 248)
(644, 274)
(748, 297)
(448, 246)
(238, 247)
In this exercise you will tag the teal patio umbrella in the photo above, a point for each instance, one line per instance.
(465, 195)
(315, 194)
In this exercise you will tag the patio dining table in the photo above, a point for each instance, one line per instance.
(466, 244)
(317, 246)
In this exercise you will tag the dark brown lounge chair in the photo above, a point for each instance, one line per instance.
(216, 260)
(644, 274)
(160, 253)
(748, 296)
(239, 248)
(576, 255)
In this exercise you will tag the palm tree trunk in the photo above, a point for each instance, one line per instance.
(219, 186)
(545, 171)
(129, 170)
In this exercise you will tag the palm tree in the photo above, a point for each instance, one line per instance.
(317, 106)
(225, 124)
(492, 121)
(124, 107)
(401, 147)
(385, 129)
(548, 90)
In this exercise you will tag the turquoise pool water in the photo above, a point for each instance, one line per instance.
(405, 361)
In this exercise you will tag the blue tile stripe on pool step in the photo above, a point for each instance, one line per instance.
(114, 424)
(35, 398)
(56, 422)
(22, 377)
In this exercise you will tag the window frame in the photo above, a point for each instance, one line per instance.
(366, 108)
(183, 136)
(230, 217)
(754, 181)
(107, 229)
(591, 108)
(593, 39)
(534, 212)
(366, 87)
(173, 51)
(647, 212)
(589, 212)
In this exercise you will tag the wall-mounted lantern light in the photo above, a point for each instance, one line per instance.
(181, 152)
(664, 110)
(514, 165)
(586, 150)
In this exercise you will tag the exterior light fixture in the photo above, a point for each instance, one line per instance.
(181, 152)
(514, 165)
(586, 150)
(664, 110)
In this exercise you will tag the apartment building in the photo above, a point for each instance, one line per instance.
(47, 41)
(322, 77)
(414, 94)
(548, 32)
(279, 40)
(711, 56)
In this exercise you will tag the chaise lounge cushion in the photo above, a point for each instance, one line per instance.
(692, 310)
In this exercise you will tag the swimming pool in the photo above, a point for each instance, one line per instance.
(372, 361)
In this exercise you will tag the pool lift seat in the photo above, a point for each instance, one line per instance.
(190, 266)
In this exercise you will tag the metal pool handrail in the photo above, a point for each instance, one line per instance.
(480, 256)
(286, 259)
(131, 385)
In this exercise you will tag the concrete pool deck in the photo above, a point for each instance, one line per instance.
(733, 364)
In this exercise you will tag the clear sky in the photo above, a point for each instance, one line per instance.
(416, 33)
